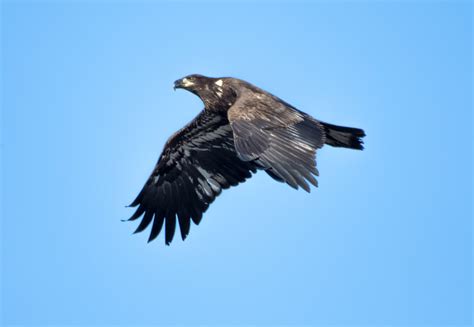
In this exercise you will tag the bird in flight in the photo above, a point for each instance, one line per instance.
(242, 129)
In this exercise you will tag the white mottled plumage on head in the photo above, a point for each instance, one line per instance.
(186, 82)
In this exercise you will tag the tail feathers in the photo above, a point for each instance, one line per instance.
(345, 137)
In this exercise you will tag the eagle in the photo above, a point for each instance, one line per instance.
(242, 129)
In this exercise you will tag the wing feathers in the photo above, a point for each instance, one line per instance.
(170, 226)
(184, 224)
(157, 225)
(281, 139)
(197, 163)
(140, 210)
(145, 222)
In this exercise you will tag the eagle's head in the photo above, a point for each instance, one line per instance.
(216, 93)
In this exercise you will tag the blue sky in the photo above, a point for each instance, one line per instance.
(88, 104)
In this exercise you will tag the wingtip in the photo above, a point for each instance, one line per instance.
(151, 238)
(168, 240)
(132, 205)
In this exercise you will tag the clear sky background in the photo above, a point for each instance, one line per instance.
(88, 104)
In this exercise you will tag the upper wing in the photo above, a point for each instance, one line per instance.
(197, 162)
(278, 137)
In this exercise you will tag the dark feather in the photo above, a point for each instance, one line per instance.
(170, 226)
(284, 144)
(196, 164)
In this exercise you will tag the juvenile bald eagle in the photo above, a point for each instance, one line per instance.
(242, 129)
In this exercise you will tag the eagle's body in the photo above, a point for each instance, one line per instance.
(242, 129)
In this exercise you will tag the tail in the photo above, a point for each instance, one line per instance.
(345, 137)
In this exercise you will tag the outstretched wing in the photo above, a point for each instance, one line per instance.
(277, 136)
(197, 162)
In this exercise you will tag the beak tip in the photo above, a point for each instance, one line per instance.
(176, 84)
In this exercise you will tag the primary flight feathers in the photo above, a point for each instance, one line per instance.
(242, 129)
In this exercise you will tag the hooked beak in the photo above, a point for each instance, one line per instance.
(178, 84)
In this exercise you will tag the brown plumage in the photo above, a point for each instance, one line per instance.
(242, 129)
